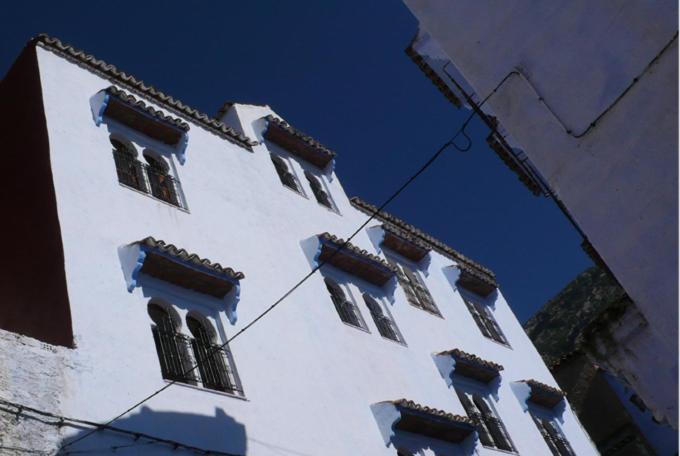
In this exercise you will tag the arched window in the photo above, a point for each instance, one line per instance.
(162, 183)
(345, 308)
(320, 194)
(385, 325)
(128, 168)
(172, 347)
(287, 178)
(213, 360)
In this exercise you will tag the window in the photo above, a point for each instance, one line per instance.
(491, 430)
(129, 169)
(171, 346)
(558, 444)
(386, 326)
(485, 321)
(199, 360)
(287, 177)
(212, 359)
(152, 177)
(346, 309)
(318, 190)
(162, 183)
(414, 287)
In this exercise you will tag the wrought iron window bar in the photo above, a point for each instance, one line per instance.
(147, 179)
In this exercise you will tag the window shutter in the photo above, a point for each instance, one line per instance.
(546, 436)
(493, 326)
(346, 309)
(476, 417)
(494, 424)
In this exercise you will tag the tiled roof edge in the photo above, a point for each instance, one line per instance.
(432, 75)
(434, 243)
(138, 86)
(535, 384)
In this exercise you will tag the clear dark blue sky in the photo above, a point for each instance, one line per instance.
(336, 70)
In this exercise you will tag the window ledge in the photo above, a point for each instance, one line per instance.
(299, 193)
(508, 346)
(360, 328)
(149, 195)
(499, 450)
(335, 211)
(425, 310)
(403, 344)
(207, 390)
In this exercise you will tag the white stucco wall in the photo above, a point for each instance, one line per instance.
(309, 379)
(619, 181)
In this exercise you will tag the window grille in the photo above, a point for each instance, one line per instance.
(558, 444)
(128, 168)
(212, 359)
(287, 178)
(492, 432)
(386, 327)
(153, 178)
(163, 185)
(414, 287)
(345, 308)
(485, 321)
(319, 193)
(172, 348)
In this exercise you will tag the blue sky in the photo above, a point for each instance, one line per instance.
(336, 70)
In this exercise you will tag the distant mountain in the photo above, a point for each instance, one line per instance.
(555, 328)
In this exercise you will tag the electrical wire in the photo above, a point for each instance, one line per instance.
(450, 143)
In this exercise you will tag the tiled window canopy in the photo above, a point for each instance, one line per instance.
(469, 365)
(115, 104)
(472, 280)
(179, 267)
(404, 243)
(297, 143)
(543, 395)
(406, 415)
(353, 260)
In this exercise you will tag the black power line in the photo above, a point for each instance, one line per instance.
(450, 143)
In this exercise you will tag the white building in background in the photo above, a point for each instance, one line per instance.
(582, 105)
(129, 218)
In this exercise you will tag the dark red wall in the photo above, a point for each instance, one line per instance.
(33, 294)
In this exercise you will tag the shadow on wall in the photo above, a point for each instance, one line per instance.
(218, 434)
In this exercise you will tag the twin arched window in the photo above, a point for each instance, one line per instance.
(151, 177)
(188, 359)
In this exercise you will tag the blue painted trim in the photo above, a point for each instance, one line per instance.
(232, 301)
(134, 276)
(319, 248)
(522, 392)
(331, 169)
(100, 113)
(182, 148)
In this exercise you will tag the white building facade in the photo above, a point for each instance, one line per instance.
(145, 234)
(581, 100)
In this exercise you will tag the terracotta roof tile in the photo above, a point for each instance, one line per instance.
(408, 404)
(182, 254)
(298, 143)
(139, 104)
(138, 86)
(470, 358)
(428, 240)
